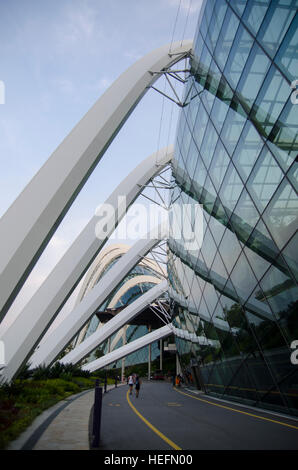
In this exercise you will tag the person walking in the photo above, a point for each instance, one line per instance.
(138, 385)
(173, 380)
(130, 383)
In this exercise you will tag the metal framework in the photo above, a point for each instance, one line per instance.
(113, 325)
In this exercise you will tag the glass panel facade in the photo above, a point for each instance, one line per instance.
(238, 290)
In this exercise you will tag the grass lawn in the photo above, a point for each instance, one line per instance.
(23, 400)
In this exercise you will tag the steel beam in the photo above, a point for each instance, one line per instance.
(113, 325)
(49, 349)
(129, 348)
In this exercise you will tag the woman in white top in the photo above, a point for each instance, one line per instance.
(130, 383)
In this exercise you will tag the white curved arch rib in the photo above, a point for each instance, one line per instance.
(67, 330)
(24, 334)
(95, 272)
(43, 203)
(129, 348)
(113, 325)
(102, 260)
(106, 256)
(116, 339)
(132, 283)
(119, 293)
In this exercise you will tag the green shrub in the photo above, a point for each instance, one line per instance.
(23, 400)
(59, 370)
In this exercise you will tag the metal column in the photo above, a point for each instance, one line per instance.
(123, 360)
(149, 355)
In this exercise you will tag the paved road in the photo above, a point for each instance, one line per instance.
(188, 421)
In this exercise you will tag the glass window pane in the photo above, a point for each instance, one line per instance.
(245, 217)
(218, 15)
(264, 179)
(239, 5)
(281, 214)
(208, 144)
(219, 112)
(254, 13)
(258, 263)
(238, 55)
(208, 248)
(229, 249)
(217, 229)
(218, 273)
(207, 17)
(271, 100)
(290, 255)
(280, 291)
(287, 57)
(253, 75)
(199, 178)
(226, 38)
(219, 165)
(247, 150)
(200, 126)
(293, 176)
(261, 243)
(231, 188)
(275, 26)
(192, 158)
(232, 129)
(285, 132)
(209, 195)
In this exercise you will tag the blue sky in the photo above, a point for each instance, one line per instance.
(57, 58)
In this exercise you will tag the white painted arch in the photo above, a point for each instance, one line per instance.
(113, 325)
(97, 269)
(25, 333)
(140, 343)
(72, 324)
(129, 348)
(43, 203)
(141, 279)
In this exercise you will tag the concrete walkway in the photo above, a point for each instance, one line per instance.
(69, 430)
(64, 426)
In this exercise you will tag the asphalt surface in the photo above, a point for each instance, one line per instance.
(181, 420)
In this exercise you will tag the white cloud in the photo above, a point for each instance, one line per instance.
(64, 85)
(79, 25)
(132, 55)
(104, 83)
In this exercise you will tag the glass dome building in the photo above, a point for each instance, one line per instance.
(141, 278)
(236, 156)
